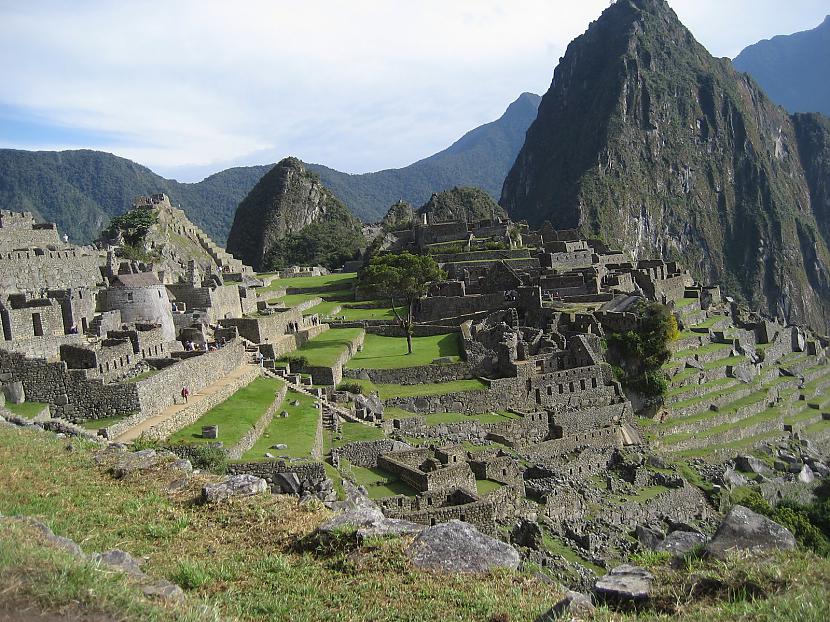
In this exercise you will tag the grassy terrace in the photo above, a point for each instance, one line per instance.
(298, 430)
(378, 483)
(712, 384)
(346, 279)
(486, 486)
(105, 422)
(235, 416)
(27, 410)
(388, 391)
(352, 432)
(707, 349)
(390, 352)
(710, 322)
(325, 348)
(685, 302)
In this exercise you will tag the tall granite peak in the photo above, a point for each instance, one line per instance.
(648, 141)
(464, 204)
(794, 70)
(287, 209)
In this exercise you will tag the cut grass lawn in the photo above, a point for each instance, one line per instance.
(235, 416)
(352, 432)
(27, 410)
(378, 483)
(709, 348)
(97, 424)
(486, 486)
(381, 352)
(344, 279)
(298, 430)
(326, 348)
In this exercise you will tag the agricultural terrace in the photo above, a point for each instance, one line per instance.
(297, 430)
(326, 348)
(235, 416)
(390, 352)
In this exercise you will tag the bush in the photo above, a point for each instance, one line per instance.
(351, 387)
(209, 458)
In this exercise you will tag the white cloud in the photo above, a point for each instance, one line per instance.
(358, 85)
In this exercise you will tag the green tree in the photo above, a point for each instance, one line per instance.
(638, 355)
(402, 277)
(133, 225)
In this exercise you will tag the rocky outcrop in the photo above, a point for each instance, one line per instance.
(744, 530)
(573, 606)
(456, 546)
(290, 218)
(625, 584)
(649, 142)
(461, 204)
(234, 486)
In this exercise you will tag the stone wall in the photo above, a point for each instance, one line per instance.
(365, 453)
(162, 389)
(291, 342)
(331, 376)
(310, 474)
(445, 506)
(47, 347)
(437, 307)
(413, 375)
(37, 269)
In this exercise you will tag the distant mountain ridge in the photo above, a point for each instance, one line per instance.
(81, 190)
(794, 70)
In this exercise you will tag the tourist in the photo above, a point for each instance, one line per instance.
(185, 394)
(260, 358)
(73, 330)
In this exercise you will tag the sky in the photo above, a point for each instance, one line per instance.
(192, 87)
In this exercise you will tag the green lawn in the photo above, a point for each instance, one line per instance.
(27, 410)
(352, 432)
(351, 314)
(388, 391)
(325, 348)
(298, 430)
(390, 352)
(685, 302)
(485, 486)
(707, 349)
(346, 279)
(97, 424)
(378, 483)
(492, 417)
(235, 416)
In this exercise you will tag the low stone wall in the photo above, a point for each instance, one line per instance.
(676, 504)
(311, 474)
(365, 453)
(331, 376)
(291, 342)
(47, 347)
(163, 388)
(252, 436)
(419, 330)
(600, 438)
(480, 513)
(424, 374)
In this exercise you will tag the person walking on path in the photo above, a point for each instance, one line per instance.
(260, 358)
(185, 394)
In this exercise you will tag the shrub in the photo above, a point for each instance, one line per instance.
(351, 387)
(209, 458)
(145, 442)
(296, 362)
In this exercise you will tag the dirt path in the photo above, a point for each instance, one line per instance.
(136, 431)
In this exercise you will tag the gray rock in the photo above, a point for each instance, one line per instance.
(135, 461)
(269, 455)
(163, 590)
(456, 546)
(284, 414)
(442, 360)
(625, 583)
(648, 537)
(574, 606)
(121, 561)
(751, 464)
(235, 486)
(527, 534)
(679, 543)
(288, 483)
(279, 446)
(182, 465)
(362, 514)
(745, 373)
(178, 484)
(733, 479)
(742, 529)
(806, 475)
(54, 540)
(14, 393)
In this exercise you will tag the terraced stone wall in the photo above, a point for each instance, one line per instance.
(414, 375)
(365, 453)
(311, 474)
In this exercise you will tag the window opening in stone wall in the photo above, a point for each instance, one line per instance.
(37, 324)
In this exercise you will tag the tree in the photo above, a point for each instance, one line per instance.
(402, 276)
(133, 225)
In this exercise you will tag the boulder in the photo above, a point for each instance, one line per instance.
(131, 462)
(279, 446)
(625, 584)
(733, 479)
(163, 590)
(14, 393)
(527, 534)
(456, 546)
(182, 465)
(360, 513)
(806, 475)
(234, 486)
(121, 561)
(751, 464)
(288, 483)
(574, 606)
(648, 537)
(679, 543)
(742, 529)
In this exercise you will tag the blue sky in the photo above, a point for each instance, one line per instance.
(190, 87)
